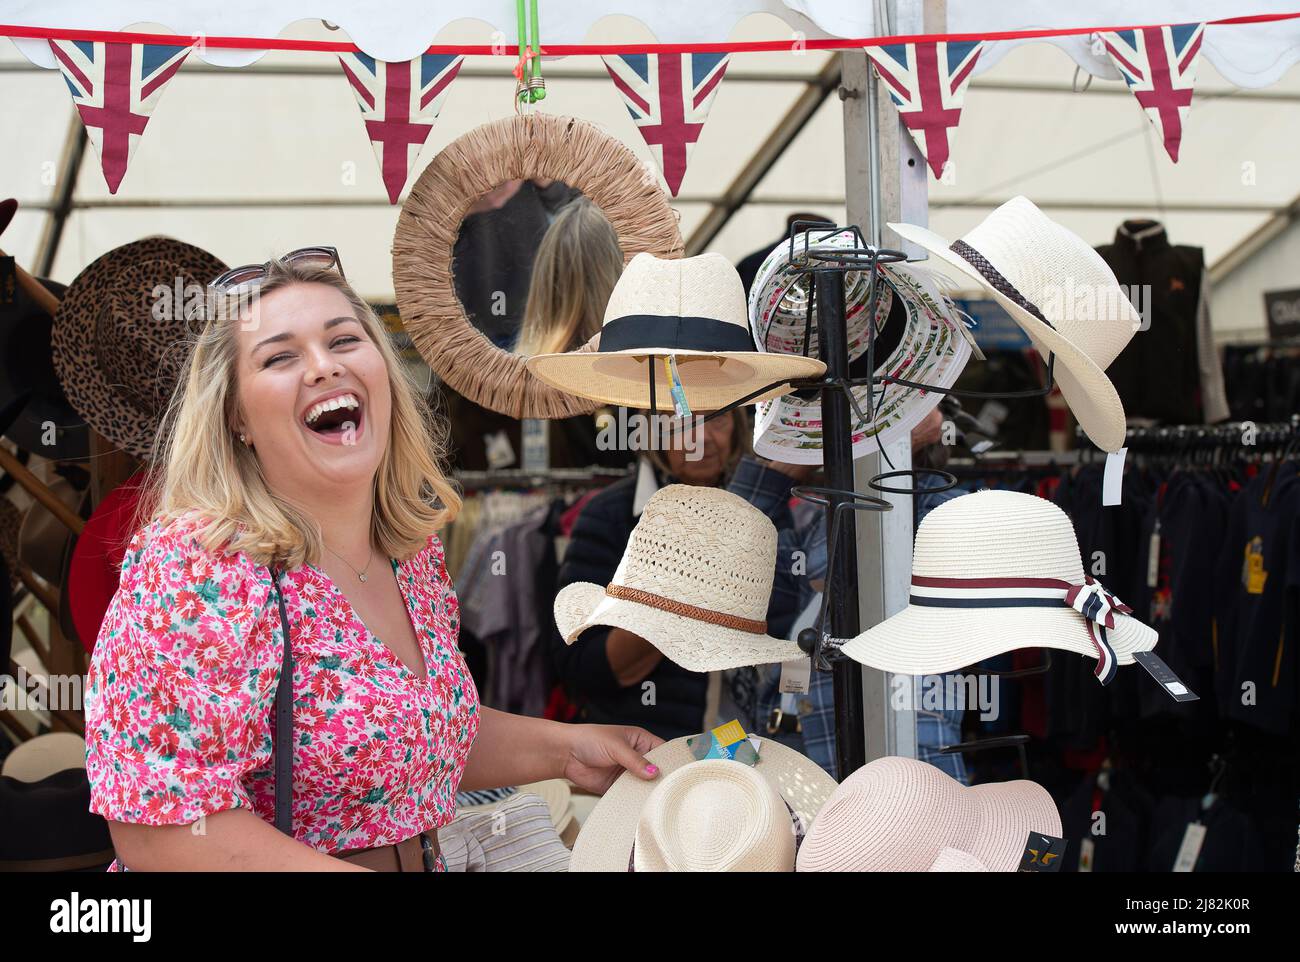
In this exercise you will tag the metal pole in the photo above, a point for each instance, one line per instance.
(841, 573)
(884, 181)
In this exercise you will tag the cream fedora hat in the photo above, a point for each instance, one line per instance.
(994, 571)
(694, 581)
(902, 815)
(716, 815)
(1060, 291)
(692, 308)
(711, 805)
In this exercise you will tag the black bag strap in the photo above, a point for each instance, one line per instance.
(283, 752)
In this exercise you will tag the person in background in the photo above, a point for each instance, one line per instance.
(604, 670)
(807, 722)
(578, 263)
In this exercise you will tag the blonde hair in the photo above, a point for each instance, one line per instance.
(199, 469)
(577, 265)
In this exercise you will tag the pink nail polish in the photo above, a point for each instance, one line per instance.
(652, 769)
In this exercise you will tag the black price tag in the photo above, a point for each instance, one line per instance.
(1043, 853)
(1165, 678)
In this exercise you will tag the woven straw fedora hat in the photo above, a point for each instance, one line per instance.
(919, 337)
(902, 815)
(994, 571)
(1060, 291)
(117, 360)
(611, 832)
(716, 815)
(693, 308)
(694, 581)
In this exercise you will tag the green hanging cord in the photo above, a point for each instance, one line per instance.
(521, 67)
(536, 85)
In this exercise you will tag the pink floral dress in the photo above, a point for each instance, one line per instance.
(182, 683)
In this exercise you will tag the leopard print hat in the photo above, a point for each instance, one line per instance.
(120, 339)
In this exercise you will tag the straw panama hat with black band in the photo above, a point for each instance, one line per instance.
(692, 308)
(903, 815)
(694, 581)
(1060, 292)
(710, 815)
(117, 360)
(995, 571)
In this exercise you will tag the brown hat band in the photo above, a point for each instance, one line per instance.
(735, 622)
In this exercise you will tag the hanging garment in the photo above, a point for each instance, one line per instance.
(500, 608)
(1170, 371)
(1256, 584)
(1108, 820)
(1185, 527)
(1231, 843)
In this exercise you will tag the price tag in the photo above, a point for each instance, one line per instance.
(796, 676)
(536, 440)
(1190, 850)
(1153, 558)
(500, 452)
(1043, 853)
(1112, 479)
(676, 388)
(1164, 676)
(1087, 848)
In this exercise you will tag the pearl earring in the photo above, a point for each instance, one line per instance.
(243, 439)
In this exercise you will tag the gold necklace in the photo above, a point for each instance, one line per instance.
(360, 574)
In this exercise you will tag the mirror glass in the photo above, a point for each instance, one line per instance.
(534, 265)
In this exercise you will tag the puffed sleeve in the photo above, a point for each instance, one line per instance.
(182, 683)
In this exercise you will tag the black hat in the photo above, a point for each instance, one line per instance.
(28, 378)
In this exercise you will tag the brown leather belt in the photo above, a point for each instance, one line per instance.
(419, 853)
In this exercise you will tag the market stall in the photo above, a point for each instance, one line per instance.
(851, 334)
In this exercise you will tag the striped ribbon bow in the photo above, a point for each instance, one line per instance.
(1090, 599)
(1098, 607)
(1093, 602)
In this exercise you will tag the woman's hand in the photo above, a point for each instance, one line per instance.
(598, 754)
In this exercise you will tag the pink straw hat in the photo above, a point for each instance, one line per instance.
(902, 815)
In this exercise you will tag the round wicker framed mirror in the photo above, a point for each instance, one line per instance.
(537, 148)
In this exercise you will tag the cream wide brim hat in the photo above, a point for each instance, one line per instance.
(715, 815)
(1088, 392)
(692, 644)
(992, 535)
(695, 307)
(711, 380)
(45, 755)
(608, 834)
(925, 641)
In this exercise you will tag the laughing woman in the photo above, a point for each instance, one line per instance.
(297, 464)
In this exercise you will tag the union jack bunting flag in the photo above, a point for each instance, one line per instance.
(115, 87)
(399, 102)
(1159, 66)
(927, 82)
(668, 96)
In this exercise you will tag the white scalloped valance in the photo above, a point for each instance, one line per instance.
(1248, 55)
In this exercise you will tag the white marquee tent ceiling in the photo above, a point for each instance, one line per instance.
(253, 161)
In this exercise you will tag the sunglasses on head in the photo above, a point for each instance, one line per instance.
(323, 257)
